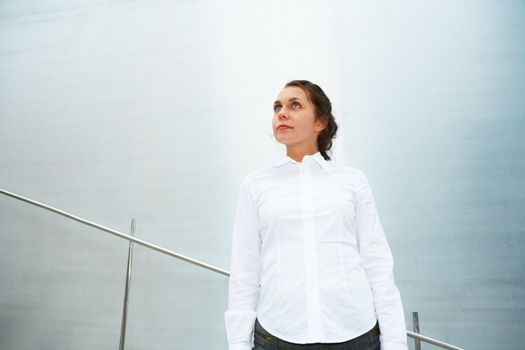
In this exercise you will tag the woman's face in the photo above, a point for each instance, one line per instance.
(294, 121)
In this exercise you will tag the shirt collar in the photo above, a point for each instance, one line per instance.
(318, 157)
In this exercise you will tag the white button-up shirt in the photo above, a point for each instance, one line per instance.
(310, 259)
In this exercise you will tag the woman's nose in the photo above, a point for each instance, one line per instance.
(281, 114)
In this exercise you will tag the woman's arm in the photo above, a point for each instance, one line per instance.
(244, 272)
(378, 263)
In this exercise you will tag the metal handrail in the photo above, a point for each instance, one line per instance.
(117, 233)
(177, 255)
(432, 341)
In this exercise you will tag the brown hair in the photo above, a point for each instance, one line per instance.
(323, 110)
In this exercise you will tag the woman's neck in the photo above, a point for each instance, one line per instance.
(298, 153)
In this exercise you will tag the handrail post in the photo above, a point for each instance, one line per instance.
(126, 290)
(415, 322)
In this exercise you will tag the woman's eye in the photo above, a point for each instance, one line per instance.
(277, 108)
(296, 105)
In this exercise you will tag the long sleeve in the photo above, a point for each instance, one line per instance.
(378, 263)
(244, 272)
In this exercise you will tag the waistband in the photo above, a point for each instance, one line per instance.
(260, 331)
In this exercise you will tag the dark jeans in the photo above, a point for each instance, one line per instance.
(265, 341)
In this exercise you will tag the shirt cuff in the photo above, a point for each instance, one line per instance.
(242, 346)
(392, 344)
(386, 345)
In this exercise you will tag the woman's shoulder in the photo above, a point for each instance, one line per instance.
(346, 169)
(258, 174)
(334, 166)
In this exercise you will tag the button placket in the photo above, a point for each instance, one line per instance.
(315, 325)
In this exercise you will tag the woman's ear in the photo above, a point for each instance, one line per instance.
(321, 124)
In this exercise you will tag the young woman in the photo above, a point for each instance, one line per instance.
(310, 265)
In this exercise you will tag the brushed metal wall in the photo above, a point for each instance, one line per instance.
(155, 110)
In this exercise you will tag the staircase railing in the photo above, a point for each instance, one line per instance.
(132, 239)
